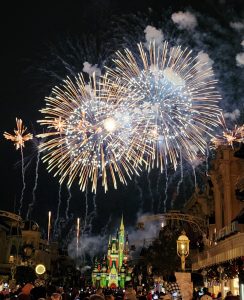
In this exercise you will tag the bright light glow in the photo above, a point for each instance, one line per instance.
(110, 124)
(40, 269)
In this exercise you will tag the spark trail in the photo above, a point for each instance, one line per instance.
(56, 223)
(84, 225)
(19, 138)
(165, 191)
(68, 203)
(30, 207)
(23, 182)
(141, 204)
(150, 190)
(194, 176)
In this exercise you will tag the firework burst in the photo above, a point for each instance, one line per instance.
(176, 98)
(229, 137)
(92, 133)
(19, 137)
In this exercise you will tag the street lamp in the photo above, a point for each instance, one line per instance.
(12, 267)
(183, 248)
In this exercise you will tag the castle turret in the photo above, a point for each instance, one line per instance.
(121, 242)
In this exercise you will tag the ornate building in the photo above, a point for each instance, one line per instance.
(22, 245)
(113, 271)
(222, 258)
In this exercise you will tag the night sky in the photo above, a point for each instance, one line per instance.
(42, 43)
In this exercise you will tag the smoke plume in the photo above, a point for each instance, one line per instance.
(184, 20)
(90, 69)
(153, 34)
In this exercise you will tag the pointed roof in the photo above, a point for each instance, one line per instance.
(122, 227)
(109, 241)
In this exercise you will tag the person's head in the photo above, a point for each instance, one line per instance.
(96, 297)
(205, 290)
(109, 297)
(229, 293)
(99, 291)
(56, 296)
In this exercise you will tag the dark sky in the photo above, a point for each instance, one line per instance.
(35, 34)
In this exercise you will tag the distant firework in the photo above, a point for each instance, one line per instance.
(229, 137)
(92, 133)
(19, 137)
(176, 97)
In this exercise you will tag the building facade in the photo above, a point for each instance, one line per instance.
(222, 260)
(22, 245)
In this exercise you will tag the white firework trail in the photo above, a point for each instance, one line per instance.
(181, 175)
(194, 176)
(68, 203)
(150, 190)
(28, 215)
(140, 209)
(92, 215)
(94, 204)
(105, 228)
(166, 190)
(23, 181)
(84, 226)
(206, 160)
(55, 230)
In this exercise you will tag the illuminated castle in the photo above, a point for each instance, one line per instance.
(112, 271)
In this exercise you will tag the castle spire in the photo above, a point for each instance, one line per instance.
(122, 227)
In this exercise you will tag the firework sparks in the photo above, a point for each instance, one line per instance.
(92, 132)
(178, 101)
(229, 137)
(19, 138)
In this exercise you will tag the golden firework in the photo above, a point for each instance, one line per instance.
(92, 133)
(229, 137)
(19, 137)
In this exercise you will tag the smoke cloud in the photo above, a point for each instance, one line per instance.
(141, 237)
(91, 69)
(240, 59)
(184, 20)
(89, 247)
(235, 114)
(237, 25)
(153, 34)
(204, 60)
(96, 245)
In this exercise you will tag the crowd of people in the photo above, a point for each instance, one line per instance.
(208, 296)
(40, 291)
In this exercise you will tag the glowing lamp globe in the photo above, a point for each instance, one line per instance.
(183, 245)
(40, 269)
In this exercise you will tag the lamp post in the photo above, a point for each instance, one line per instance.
(183, 248)
(12, 268)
